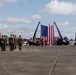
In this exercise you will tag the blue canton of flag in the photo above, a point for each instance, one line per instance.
(44, 30)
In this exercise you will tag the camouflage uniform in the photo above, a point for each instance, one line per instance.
(15, 41)
(3, 47)
(11, 42)
(20, 40)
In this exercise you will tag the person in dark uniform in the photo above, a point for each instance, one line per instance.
(3, 45)
(0, 39)
(20, 41)
(15, 42)
(11, 41)
(5, 38)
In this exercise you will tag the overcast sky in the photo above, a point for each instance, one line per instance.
(22, 16)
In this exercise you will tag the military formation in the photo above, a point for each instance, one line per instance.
(13, 42)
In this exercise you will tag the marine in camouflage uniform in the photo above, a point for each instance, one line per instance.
(20, 41)
(3, 45)
(15, 42)
(11, 42)
(5, 38)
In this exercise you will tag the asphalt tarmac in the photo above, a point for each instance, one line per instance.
(38, 60)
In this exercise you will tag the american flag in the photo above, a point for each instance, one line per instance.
(47, 33)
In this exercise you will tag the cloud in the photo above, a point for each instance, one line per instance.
(4, 2)
(3, 28)
(22, 19)
(8, 29)
(37, 16)
(60, 7)
(66, 23)
(17, 20)
(1, 3)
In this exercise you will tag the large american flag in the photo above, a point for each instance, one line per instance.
(47, 33)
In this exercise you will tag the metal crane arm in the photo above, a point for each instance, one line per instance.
(34, 36)
(58, 30)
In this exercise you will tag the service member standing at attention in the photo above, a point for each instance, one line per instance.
(11, 40)
(3, 48)
(15, 42)
(20, 41)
